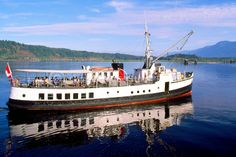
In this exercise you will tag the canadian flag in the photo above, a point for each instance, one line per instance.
(8, 71)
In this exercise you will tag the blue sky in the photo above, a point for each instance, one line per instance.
(117, 26)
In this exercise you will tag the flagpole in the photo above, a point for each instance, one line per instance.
(9, 73)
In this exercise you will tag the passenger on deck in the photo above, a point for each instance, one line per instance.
(76, 81)
(36, 82)
(56, 81)
(46, 81)
(40, 81)
(15, 82)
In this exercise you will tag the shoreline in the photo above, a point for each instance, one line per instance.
(229, 61)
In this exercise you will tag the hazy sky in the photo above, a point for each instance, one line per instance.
(117, 26)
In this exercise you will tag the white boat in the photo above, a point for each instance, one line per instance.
(100, 87)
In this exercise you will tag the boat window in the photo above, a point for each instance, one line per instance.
(137, 91)
(149, 90)
(67, 96)
(59, 96)
(100, 73)
(107, 120)
(91, 121)
(40, 127)
(50, 124)
(67, 123)
(149, 113)
(117, 119)
(75, 122)
(118, 92)
(111, 74)
(91, 95)
(58, 124)
(50, 96)
(132, 92)
(41, 96)
(83, 96)
(143, 91)
(137, 114)
(75, 96)
(144, 114)
(83, 122)
(107, 92)
(23, 95)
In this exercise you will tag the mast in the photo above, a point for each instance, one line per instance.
(148, 59)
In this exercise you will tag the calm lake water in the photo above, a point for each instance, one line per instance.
(203, 125)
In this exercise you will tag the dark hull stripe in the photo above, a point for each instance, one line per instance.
(100, 103)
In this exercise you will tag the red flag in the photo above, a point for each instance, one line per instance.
(8, 71)
(121, 74)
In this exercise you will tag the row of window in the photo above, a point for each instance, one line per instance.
(67, 96)
(105, 74)
(75, 95)
(75, 123)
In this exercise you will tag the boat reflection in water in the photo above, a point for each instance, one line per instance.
(77, 128)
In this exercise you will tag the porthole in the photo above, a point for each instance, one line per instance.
(91, 95)
(149, 90)
(118, 92)
(137, 91)
(107, 92)
(132, 92)
(23, 95)
(143, 91)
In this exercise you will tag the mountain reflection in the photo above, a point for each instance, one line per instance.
(28, 130)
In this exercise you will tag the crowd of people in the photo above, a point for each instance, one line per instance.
(46, 82)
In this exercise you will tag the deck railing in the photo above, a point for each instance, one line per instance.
(80, 84)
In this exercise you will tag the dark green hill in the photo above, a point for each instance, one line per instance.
(10, 50)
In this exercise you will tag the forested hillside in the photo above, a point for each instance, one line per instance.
(10, 50)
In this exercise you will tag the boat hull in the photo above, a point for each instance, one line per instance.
(100, 103)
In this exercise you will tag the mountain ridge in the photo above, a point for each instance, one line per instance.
(11, 50)
(222, 49)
